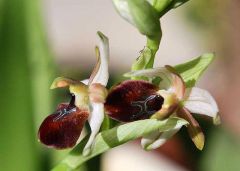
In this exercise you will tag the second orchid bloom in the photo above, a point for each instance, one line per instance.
(138, 99)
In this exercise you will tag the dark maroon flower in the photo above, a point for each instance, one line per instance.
(62, 128)
(133, 100)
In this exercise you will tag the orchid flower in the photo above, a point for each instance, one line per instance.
(62, 128)
(138, 99)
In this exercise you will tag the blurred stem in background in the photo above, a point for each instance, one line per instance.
(26, 71)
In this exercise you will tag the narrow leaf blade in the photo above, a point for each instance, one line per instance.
(115, 137)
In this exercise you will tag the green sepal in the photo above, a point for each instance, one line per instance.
(192, 70)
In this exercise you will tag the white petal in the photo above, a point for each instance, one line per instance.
(86, 81)
(102, 74)
(161, 72)
(200, 101)
(95, 121)
(156, 139)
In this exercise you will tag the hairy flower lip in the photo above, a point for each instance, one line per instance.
(62, 131)
(171, 96)
(173, 83)
(129, 101)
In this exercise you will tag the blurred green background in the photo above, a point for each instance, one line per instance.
(40, 40)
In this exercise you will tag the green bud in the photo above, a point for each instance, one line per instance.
(141, 14)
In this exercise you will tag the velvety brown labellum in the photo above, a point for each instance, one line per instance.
(62, 129)
(133, 100)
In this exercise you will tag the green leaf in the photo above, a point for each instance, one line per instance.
(192, 70)
(115, 137)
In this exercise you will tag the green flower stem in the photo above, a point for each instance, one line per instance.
(153, 45)
(161, 6)
(154, 42)
(147, 56)
(146, 60)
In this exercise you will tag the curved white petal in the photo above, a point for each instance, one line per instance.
(200, 101)
(102, 74)
(156, 139)
(86, 81)
(95, 121)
